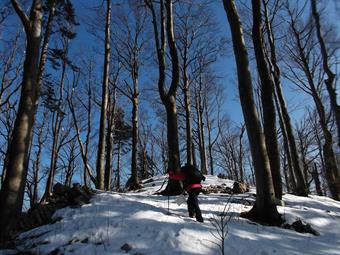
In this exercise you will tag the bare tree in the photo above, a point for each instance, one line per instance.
(59, 57)
(267, 89)
(34, 177)
(12, 191)
(84, 146)
(307, 61)
(130, 47)
(329, 82)
(100, 167)
(265, 208)
(168, 98)
(296, 175)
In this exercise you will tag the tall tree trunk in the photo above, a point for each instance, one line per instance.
(55, 140)
(12, 192)
(188, 125)
(37, 162)
(301, 188)
(288, 157)
(200, 131)
(240, 154)
(285, 172)
(83, 149)
(133, 181)
(100, 167)
(71, 165)
(330, 75)
(44, 53)
(331, 171)
(187, 104)
(118, 165)
(267, 86)
(194, 161)
(109, 140)
(85, 152)
(168, 98)
(316, 179)
(265, 208)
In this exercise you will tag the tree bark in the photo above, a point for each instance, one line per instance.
(267, 86)
(188, 124)
(301, 188)
(109, 140)
(55, 140)
(264, 209)
(316, 179)
(168, 98)
(100, 167)
(200, 131)
(329, 82)
(133, 181)
(331, 171)
(12, 192)
(118, 165)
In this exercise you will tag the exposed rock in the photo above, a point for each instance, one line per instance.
(217, 189)
(222, 176)
(62, 196)
(301, 227)
(126, 247)
(86, 240)
(240, 188)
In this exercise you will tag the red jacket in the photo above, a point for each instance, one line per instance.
(180, 176)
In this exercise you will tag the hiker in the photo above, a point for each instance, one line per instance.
(191, 178)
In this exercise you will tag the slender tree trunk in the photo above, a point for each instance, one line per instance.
(100, 167)
(285, 165)
(118, 164)
(317, 180)
(36, 165)
(12, 191)
(330, 75)
(303, 154)
(291, 182)
(55, 140)
(200, 131)
(301, 188)
(240, 154)
(194, 161)
(85, 152)
(83, 149)
(71, 165)
(109, 141)
(188, 125)
(187, 104)
(331, 171)
(265, 208)
(210, 142)
(267, 86)
(133, 181)
(109, 156)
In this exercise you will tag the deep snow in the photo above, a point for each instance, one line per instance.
(142, 221)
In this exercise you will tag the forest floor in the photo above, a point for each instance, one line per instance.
(139, 223)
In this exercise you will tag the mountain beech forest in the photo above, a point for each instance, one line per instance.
(112, 103)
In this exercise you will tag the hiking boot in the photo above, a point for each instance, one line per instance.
(199, 218)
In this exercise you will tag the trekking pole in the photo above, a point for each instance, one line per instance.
(168, 204)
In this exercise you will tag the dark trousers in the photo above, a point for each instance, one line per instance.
(193, 207)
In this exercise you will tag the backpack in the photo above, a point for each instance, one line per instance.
(193, 175)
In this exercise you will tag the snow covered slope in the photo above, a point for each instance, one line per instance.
(141, 222)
